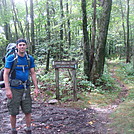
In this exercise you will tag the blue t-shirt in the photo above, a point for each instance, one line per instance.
(21, 68)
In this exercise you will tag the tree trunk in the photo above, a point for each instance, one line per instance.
(6, 30)
(93, 36)
(48, 35)
(61, 30)
(123, 25)
(127, 43)
(32, 26)
(15, 27)
(68, 25)
(86, 41)
(16, 20)
(6, 24)
(103, 23)
(27, 23)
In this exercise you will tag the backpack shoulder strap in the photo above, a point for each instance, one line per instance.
(12, 75)
(28, 59)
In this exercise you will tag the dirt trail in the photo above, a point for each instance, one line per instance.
(124, 88)
(52, 119)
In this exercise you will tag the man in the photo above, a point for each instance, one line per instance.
(17, 84)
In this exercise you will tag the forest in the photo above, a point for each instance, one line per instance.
(97, 34)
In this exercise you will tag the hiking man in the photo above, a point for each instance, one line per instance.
(17, 84)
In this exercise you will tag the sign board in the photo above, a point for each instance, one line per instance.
(65, 64)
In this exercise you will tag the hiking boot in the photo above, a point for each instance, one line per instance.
(28, 132)
(14, 132)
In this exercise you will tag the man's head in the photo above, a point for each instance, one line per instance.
(21, 40)
(21, 45)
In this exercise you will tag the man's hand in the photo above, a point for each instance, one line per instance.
(36, 92)
(9, 93)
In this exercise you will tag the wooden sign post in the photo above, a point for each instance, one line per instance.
(65, 64)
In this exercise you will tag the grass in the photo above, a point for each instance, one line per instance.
(123, 117)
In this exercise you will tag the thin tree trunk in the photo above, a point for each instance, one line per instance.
(93, 36)
(15, 27)
(123, 25)
(86, 41)
(127, 43)
(32, 26)
(61, 30)
(6, 24)
(68, 24)
(27, 23)
(48, 35)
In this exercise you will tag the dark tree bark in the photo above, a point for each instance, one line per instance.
(16, 30)
(68, 25)
(123, 25)
(48, 35)
(32, 26)
(103, 23)
(61, 30)
(86, 46)
(6, 24)
(127, 42)
(93, 36)
(27, 23)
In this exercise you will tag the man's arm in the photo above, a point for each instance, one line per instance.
(6, 80)
(33, 76)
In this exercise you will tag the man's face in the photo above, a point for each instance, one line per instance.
(22, 47)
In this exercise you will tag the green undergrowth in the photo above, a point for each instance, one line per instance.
(102, 93)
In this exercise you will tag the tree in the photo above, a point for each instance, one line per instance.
(32, 26)
(5, 18)
(68, 24)
(127, 42)
(27, 23)
(93, 37)
(103, 23)
(48, 34)
(15, 20)
(86, 46)
(61, 29)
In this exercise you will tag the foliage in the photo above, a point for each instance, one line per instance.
(127, 69)
(85, 86)
(106, 82)
(3, 43)
(104, 86)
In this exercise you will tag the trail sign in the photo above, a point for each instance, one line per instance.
(65, 64)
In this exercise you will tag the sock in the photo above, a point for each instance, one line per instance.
(28, 128)
(13, 129)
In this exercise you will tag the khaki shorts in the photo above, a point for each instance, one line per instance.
(16, 102)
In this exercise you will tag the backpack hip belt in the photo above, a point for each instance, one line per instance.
(16, 83)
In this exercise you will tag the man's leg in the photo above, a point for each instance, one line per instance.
(28, 123)
(13, 123)
(28, 120)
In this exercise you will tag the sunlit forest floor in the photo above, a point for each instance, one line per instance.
(109, 112)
